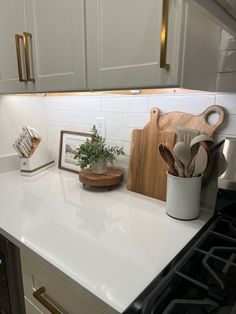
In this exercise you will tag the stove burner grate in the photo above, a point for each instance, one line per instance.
(190, 307)
(203, 281)
(232, 228)
(213, 256)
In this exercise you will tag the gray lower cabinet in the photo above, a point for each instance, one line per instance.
(46, 292)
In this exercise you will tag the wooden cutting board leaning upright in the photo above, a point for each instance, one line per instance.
(147, 170)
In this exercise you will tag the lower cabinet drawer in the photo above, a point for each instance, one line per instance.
(31, 308)
(45, 293)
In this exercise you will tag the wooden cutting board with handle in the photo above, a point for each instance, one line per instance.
(147, 170)
(171, 121)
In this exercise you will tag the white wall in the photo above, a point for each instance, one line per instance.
(122, 113)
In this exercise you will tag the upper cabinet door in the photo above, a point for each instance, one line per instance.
(12, 22)
(58, 46)
(124, 43)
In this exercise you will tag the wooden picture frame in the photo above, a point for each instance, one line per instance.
(69, 142)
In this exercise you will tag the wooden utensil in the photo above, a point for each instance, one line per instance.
(215, 147)
(213, 155)
(200, 138)
(186, 135)
(182, 153)
(200, 163)
(147, 169)
(169, 159)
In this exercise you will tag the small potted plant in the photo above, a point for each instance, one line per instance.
(95, 154)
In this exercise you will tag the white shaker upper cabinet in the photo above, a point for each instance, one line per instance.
(151, 43)
(12, 23)
(58, 45)
(124, 43)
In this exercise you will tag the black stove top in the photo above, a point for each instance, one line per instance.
(202, 278)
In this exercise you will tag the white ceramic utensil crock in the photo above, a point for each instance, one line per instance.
(183, 197)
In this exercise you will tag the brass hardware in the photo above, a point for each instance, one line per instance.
(45, 302)
(27, 55)
(18, 54)
(164, 30)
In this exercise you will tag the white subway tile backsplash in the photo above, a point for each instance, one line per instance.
(53, 147)
(83, 117)
(53, 137)
(113, 118)
(55, 103)
(54, 115)
(119, 133)
(122, 113)
(126, 146)
(192, 103)
(114, 143)
(228, 101)
(125, 104)
(135, 120)
(229, 126)
(54, 126)
(122, 162)
(78, 127)
(84, 103)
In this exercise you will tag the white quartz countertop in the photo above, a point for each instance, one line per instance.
(113, 243)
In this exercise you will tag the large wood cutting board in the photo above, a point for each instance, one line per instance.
(147, 170)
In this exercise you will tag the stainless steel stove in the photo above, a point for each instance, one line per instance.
(202, 278)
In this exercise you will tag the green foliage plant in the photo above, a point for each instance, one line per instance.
(95, 149)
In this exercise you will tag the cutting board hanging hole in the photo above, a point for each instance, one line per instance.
(213, 118)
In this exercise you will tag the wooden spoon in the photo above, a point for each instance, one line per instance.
(201, 160)
(200, 138)
(182, 153)
(169, 159)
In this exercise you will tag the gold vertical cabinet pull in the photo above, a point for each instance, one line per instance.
(164, 30)
(45, 302)
(18, 54)
(27, 55)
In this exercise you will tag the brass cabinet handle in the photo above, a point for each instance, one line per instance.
(27, 55)
(45, 302)
(164, 30)
(18, 54)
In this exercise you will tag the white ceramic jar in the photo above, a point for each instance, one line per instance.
(183, 197)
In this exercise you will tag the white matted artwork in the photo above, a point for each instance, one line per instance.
(69, 142)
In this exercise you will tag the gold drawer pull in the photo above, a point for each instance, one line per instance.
(45, 302)
(164, 30)
(27, 55)
(18, 54)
